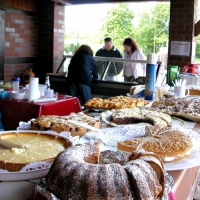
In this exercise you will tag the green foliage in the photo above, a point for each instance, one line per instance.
(149, 27)
(153, 28)
(198, 46)
(71, 48)
(118, 24)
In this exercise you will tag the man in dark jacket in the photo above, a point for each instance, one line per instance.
(81, 71)
(109, 51)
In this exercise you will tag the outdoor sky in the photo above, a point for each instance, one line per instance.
(90, 16)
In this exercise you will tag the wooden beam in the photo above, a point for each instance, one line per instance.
(2, 42)
(197, 29)
(76, 2)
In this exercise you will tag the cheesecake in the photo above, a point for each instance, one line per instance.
(17, 149)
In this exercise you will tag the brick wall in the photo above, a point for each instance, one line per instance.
(182, 20)
(51, 38)
(20, 42)
(58, 44)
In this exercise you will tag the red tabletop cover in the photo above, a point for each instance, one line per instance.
(14, 111)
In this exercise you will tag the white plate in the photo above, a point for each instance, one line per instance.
(115, 135)
(19, 176)
(24, 175)
(105, 116)
(190, 162)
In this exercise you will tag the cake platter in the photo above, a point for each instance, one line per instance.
(24, 175)
(106, 117)
(193, 160)
(33, 170)
(115, 134)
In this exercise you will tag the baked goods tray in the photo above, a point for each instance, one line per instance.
(41, 189)
(121, 133)
(191, 114)
(106, 117)
(96, 108)
(33, 170)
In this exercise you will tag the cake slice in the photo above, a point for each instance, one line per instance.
(162, 116)
(156, 165)
(151, 176)
(139, 179)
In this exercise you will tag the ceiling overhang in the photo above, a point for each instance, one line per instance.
(76, 2)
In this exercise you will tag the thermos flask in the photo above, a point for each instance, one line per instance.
(150, 76)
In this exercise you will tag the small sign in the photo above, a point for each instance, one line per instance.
(180, 48)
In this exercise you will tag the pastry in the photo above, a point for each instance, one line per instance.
(184, 107)
(117, 102)
(60, 123)
(137, 115)
(170, 144)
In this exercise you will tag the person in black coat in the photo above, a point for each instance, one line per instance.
(109, 50)
(81, 71)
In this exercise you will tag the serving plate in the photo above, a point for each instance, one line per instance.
(20, 176)
(190, 162)
(33, 170)
(116, 134)
(192, 108)
(106, 116)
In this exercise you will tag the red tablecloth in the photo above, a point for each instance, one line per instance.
(14, 111)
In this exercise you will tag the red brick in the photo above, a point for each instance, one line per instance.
(188, 37)
(7, 14)
(16, 26)
(186, 10)
(15, 16)
(187, 59)
(19, 66)
(184, 32)
(11, 53)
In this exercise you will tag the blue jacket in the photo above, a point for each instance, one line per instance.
(82, 69)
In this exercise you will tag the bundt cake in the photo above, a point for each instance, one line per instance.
(80, 172)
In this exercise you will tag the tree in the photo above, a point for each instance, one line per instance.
(198, 47)
(71, 48)
(118, 24)
(153, 28)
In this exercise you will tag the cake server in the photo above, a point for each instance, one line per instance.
(148, 132)
(92, 135)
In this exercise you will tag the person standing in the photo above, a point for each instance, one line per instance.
(109, 50)
(132, 51)
(81, 71)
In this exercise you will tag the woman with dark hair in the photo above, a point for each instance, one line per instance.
(81, 71)
(131, 51)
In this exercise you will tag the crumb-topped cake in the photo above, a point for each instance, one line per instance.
(60, 123)
(117, 102)
(184, 107)
(137, 115)
(170, 144)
